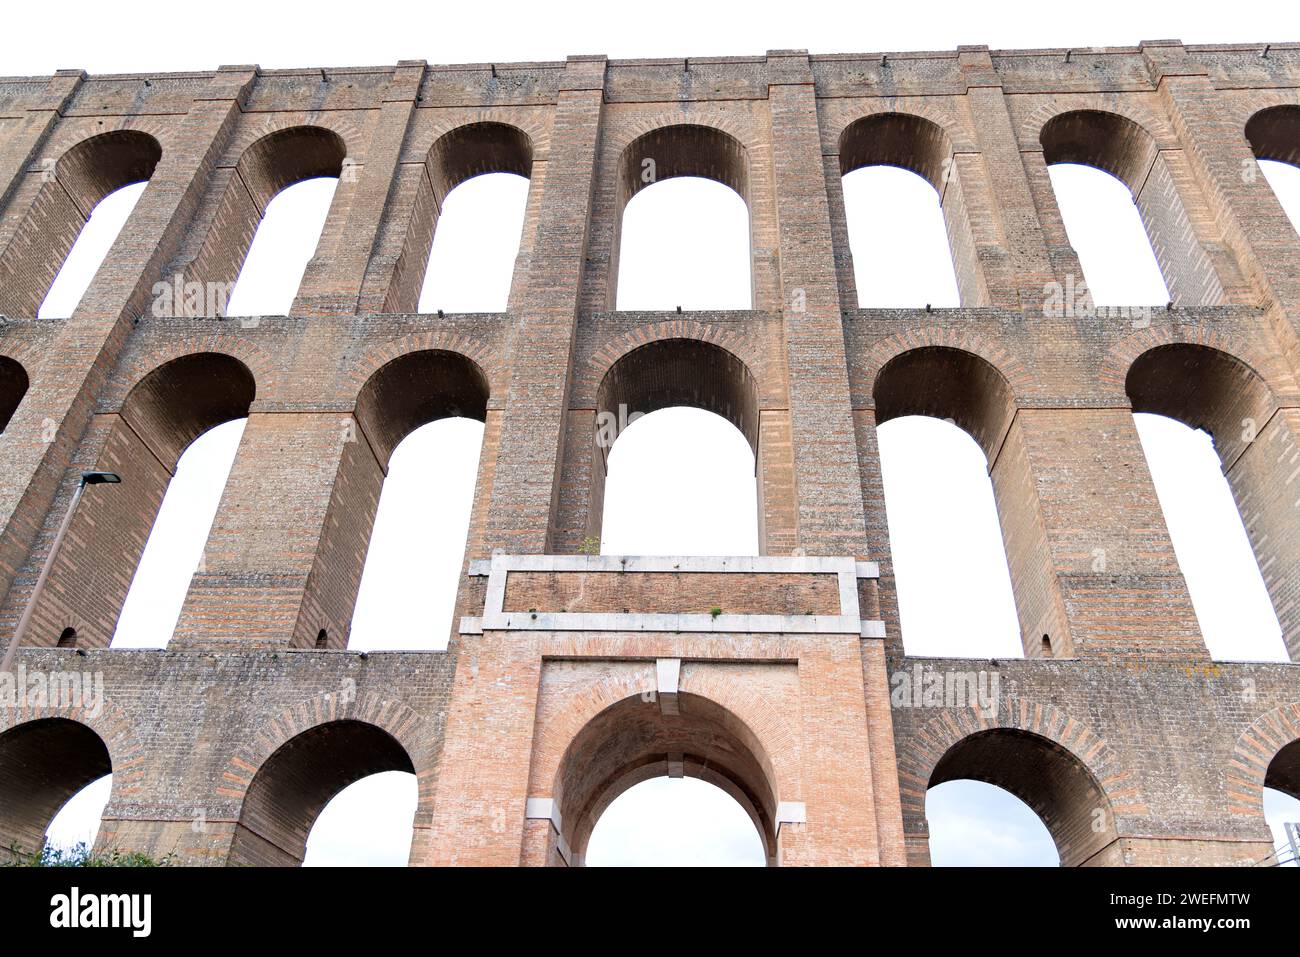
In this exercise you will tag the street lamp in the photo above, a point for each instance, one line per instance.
(87, 478)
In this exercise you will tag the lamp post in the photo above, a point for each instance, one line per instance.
(87, 478)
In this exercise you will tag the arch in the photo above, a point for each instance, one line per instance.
(293, 785)
(288, 156)
(1049, 778)
(67, 192)
(1204, 388)
(659, 375)
(1120, 146)
(1266, 755)
(456, 155)
(13, 386)
(160, 417)
(919, 145)
(955, 384)
(947, 383)
(904, 140)
(1274, 134)
(634, 740)
(476, 149)
(239, 196)
(1208, 388)
(43, 763)
(671, 151)
(417, 388)
(407, 392)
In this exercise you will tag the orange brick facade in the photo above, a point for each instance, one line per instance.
(569, 677)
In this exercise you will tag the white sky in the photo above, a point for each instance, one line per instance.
(684, 243)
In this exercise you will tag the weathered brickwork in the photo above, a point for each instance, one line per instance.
(1117, 727)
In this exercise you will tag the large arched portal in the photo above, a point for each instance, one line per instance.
(43, 763)
(642, 737)
(295, 783)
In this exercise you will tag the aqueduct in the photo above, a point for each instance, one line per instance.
(572, 676)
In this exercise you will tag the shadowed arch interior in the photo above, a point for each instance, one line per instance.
(947, 383)
(1203, 388)
(1274, 134)
(295, 783)
(43, 763)
(180, 400)
(65, 195)
(475, 150)
(13, 386)
(689, 372)
(1048, 778)
(633, 740)
(683, 150)
(1284, 770)
(416, 389)
(1106, 141)
(897, 139)
(280, 159)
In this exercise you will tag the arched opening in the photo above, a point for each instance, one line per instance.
(299, 779)
(645, 493)
(959, 467)
(936, 480)
(675, 822)
(687, 244)
(1049, 780)
(422, 416)
(973, 824)
(174, 549)
(636, 740)
(13, 386)
(62, 196)
(477, 186)
(254, 263)
(43, 763)
(902, 242)
(1204, 419)
(78, 821)
(89, 251)
(160, 418)
(367, 824)
(1282, 802)
(1136, 245)
(1274, 136)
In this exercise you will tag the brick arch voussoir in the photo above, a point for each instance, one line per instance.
(259, 362)
(527, 122)
(774, 731)
(476, 350)
(1147, 119)
(959, 138)
(406, 726)
(1011, 368)
(735, 126)
(743, 347)
(343, 123)
(71, 134)
(1271, 369)
(1254, 751)
(114, 728)
(1243, 108)
(934, 738)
